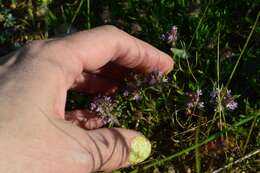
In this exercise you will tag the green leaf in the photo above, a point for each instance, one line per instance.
(180, 53)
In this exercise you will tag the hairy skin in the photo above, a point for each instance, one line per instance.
(33, 88)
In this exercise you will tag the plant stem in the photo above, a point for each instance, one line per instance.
(197, 28)
(75, 16)
(88, 15)
(249, 135)
(243, 50)
(197, 153)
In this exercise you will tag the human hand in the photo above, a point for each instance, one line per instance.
(34, 84)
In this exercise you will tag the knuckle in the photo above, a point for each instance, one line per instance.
(111, 28)
(34, 45)
(61, 44)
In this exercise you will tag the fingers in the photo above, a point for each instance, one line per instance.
(117, 148)
(101, 45)
(85, 119)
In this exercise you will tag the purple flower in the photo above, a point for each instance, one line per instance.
(93, 106)
(108, 98)
(137, 97)
(232, 105)
(156, 77)
(190, 105)
(199, 93)
(103, 106)
(227, 99)
(194, 100)
(152, 81)
(201, 105)
(106, 119)
(125, 93)
(170, 36)
(213, 95)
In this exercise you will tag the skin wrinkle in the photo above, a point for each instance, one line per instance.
(119, 139)
(104, 141)
(127, 51)
(114, 149)
(158, 60)
(140, 59)
(116, 134)
(96, 167)
(144, 61)
(114, 146)
(116, 58)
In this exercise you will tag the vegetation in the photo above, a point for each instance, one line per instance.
(204, 115)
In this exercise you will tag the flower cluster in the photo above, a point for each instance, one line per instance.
(170, 36)
(103, 106)
(194, 101)
(227, 100)
(133, 86)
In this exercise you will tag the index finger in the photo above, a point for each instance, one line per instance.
(101, 45)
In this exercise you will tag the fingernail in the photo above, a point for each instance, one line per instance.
(140, 150)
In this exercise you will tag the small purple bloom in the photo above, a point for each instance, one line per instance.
(93, 106)
(137, 97)
(125, 93)
(106, 119)
(227, 99)
(163, 37)
(213, 94)
(199, 93)
(152, 81)
(229, 93)
(99, 110)
(160, 75)
(190, 105)
(174, 29)
(232, 105)
(201, 105)
(170, 36)
(108, 98)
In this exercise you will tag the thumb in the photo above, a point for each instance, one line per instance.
(116, 148)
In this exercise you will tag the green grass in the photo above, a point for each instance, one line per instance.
(217, 48)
